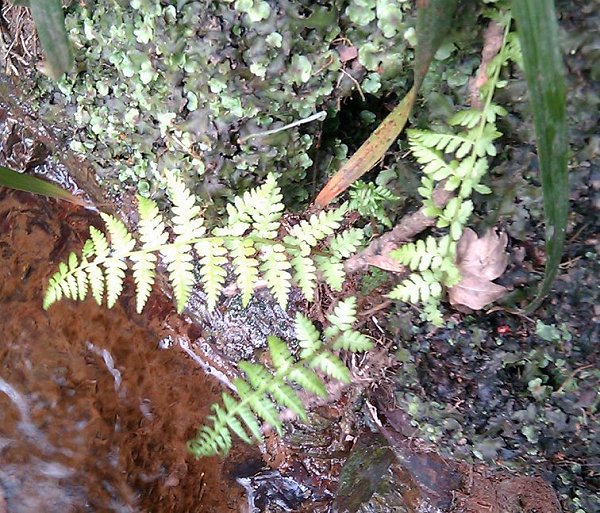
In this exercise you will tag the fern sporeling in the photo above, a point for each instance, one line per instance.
(269, 389)
(249, 242)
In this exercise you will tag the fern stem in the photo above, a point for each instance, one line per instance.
(490, 96)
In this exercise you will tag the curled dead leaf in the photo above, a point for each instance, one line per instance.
(480, 260)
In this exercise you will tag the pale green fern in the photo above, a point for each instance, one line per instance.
(252, 242)
(459, 158)
(265, 391)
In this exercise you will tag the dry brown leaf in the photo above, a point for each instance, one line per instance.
(480, 260)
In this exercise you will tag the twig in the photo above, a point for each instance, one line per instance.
(377, 252)
(319, 116)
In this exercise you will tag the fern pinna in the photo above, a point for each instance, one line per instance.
(250, 242)
(268, 390)
(460, 159)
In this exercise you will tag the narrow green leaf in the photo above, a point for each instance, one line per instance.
(538, 34)
(22, 182)
(50, 26)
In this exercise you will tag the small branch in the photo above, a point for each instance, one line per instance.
(377, 253)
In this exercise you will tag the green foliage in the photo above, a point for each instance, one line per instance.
(543, 66)
(266, 390)
(370, 200)
(249, 241)
(458, 158)
(50, 27)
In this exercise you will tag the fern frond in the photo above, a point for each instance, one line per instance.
(245, 265)
(275, 268)
(249, 243)
(280, 354)
(178, 258)
(331, 365)
(347, 242)
(305, 274)
(332, 269)
(344, 315)
(418, 287)
(212, 270)
(422, 254)
(308, 336)
(353, 341)
(308, 380)
(318, 226)
(186, 221)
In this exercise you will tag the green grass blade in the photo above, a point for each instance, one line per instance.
(50, 26)
(538, 34)
(22, 182)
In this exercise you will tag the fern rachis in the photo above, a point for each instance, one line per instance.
(249, 241)
(267, 390)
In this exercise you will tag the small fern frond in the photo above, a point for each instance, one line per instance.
(318, 226)
(353, 341)
(347, 243)
(308, 336)
(249, 243)
(280, 354)
(178, 258)
(275, 268)
(343, 316)
(423, 254)
(308, 380)
(212, 268)
(186, 221)
(144, 265)
(305, 274)
(245, 265)
(418, 287)
(331, 365)
(332, 269)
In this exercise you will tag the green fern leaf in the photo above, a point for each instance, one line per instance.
(186, 223)
(258, 376)
(245, 266)
(275, 269)
(287, 397)
(346, 243)
(308, 380)
(353, 341)
(344, 314)
(234, 424)
(280, 354)
(251, 422)
(178, 258)
(100, 243)
(318, 226)
(266, 208)
(114, 269)
(144, 265)
(212, 270)
(121, 241)
(151, 226)
(305, 275)
(332, 269)
(96, 281)
(417, 287)
(332, 366)
(308, 336)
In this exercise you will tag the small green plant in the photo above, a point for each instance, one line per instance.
(252, 242)
(266, 390)
(369, 201)
(458, 158)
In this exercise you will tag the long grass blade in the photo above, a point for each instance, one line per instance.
(50, 25)
(22, 182)
(538, 34)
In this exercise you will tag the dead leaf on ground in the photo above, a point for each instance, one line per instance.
(480, 260)
(347, 53)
